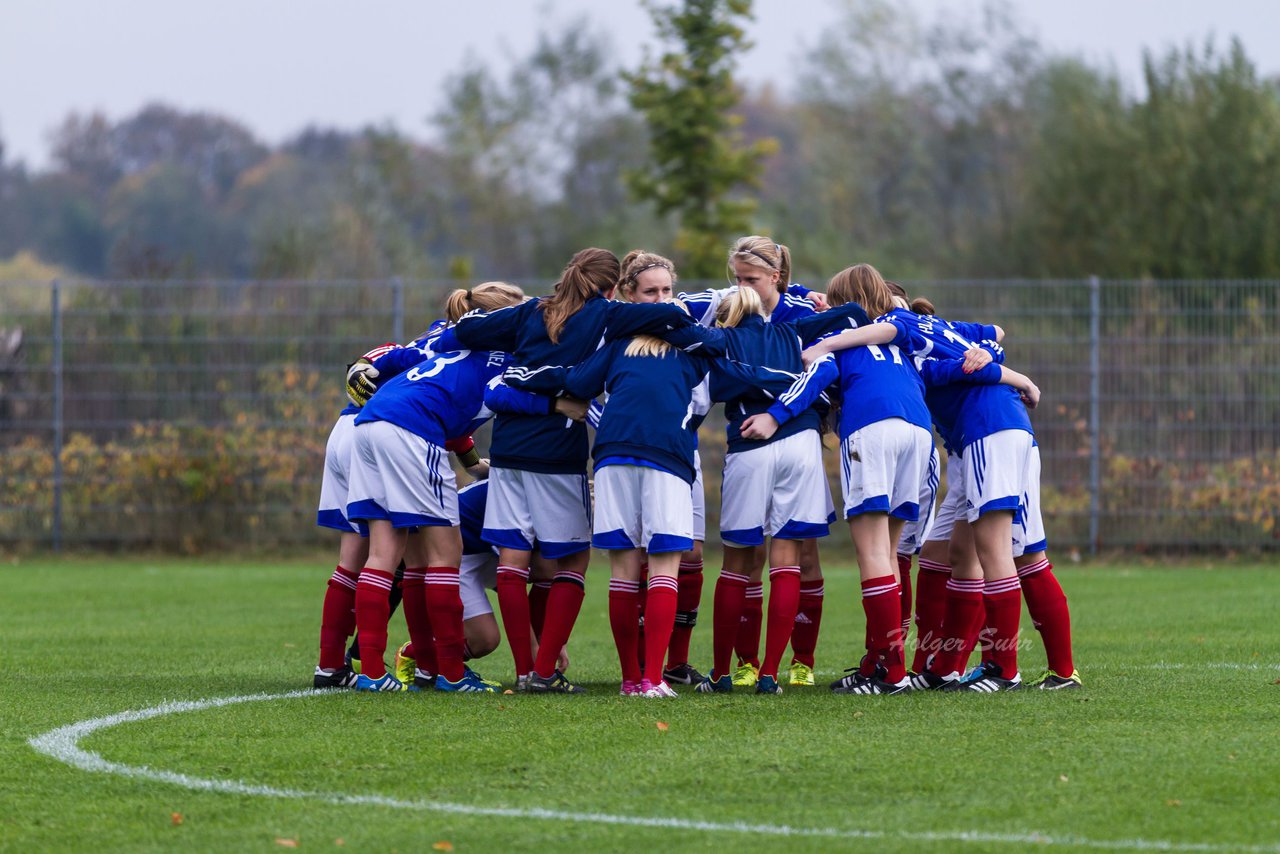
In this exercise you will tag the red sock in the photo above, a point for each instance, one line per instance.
(804, 635)
(563, 605)
(904, 583)
(1003, 601)
(973, 638)
(513, 603)
(931, 609)
(747, 643)
(687, 601)
(726, 617)
(880, 601)
(962, 618)
(624, 602)
(444, 603)
(417, 617)
(784, 603)
(1047, 605)
(644, 587)
(659, 619)
(538, 605)
(338, 619)
(373, 610)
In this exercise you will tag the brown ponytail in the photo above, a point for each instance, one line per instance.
(487, 296)
(590, 272)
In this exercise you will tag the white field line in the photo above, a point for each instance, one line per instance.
(63, 744)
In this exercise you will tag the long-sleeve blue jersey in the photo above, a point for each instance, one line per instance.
(546, 443)
(650, 409)
(392, 359)
(439, 399)
(755, 362)
(702, 305)
(962, 412)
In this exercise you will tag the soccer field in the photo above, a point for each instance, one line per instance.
(1174, 744)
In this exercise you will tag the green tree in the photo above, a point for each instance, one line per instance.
(698, 155)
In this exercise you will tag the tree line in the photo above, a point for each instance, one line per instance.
(934, 149)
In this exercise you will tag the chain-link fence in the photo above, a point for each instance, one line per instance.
(193, 415)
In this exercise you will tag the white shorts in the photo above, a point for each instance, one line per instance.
(881, 468)
(778, 490)
(526, 507)
(478, 572)
(1028, 525)
(638, 507)
(333, 487)
(699, 501)
(914, 534)
(400, 477)
(952, 505)
(995, 472)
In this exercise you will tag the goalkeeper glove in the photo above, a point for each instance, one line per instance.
(360, 381)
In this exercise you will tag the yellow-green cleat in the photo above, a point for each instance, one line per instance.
(404, 666)
(746, 675)
(800, 674)
(1050, 681)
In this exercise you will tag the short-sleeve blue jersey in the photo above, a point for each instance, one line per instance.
(962, 413)
(392, 359)
(439, 399)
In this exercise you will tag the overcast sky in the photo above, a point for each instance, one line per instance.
(279, 66)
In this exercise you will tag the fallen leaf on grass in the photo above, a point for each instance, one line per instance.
(286, 843)
(290, 646)
(508, 691)
(1277, 682)
(662, 726)
(1173, 802)
(1062, 777)
(857, 714)
(339, 841)
(176, 818)
(442, 845)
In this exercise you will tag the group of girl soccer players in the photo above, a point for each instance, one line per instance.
(611, 347)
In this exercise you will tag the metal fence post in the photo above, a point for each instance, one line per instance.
(397, 320)
(1095, 410)
(55, 300)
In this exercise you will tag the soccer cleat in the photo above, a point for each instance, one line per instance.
(991, 681)
(1050, 681)
(850, 677)
(338, 677)
(556, 683)
(490, 682)
(353, 663)
(659, 691)
(860, 684)
(629, 689)
(926, 680)
(404, 665)
(800, 674)
(422, 681)
(386, 683)
(468, 684)
(768, 685)
(682, 674)
(746, 675)
(711, 684)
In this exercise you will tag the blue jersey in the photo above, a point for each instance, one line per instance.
(755, 362)
(392, 359)
(439, 399)
(545, 443)
(962, 412)
(702, 305)
(647, 420)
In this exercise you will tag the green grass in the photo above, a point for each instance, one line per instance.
(1174, 739)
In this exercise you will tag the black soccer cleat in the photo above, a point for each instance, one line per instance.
(556, 683)
(341, 677)
(682, 674)
(991, 681)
